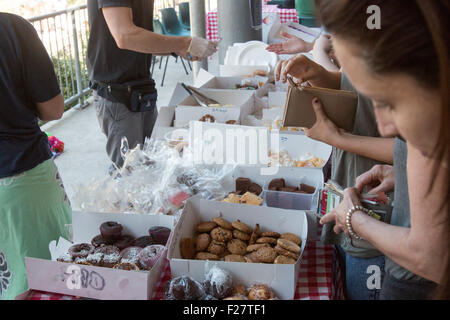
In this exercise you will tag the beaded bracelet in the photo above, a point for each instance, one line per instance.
(349, 218)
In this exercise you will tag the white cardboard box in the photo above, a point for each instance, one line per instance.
(98, 282)
(281, 278)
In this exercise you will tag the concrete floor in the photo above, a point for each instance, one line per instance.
(84, 156)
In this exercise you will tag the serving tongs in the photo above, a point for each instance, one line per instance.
(201, 99)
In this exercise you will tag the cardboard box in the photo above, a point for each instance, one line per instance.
(98, 282)
(281, 278)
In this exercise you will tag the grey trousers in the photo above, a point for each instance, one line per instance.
(116, 121)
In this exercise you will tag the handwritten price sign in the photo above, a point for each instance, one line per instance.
(77, 278)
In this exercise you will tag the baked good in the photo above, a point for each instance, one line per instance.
(81, 250)
(251, 257)
(216, 247)
(242, 227)
(254, 247)
(265, 255)
(289, 189)
(95, 259)
(111, 231)
(206, 226)
(207, 118)
(187, 248)
(239, 290)
(277, 184)
(270, 234)
(202, 242)
(130, 254)
(307, 188)
(236, 297)
(260, 292)
(232, 198)
(268, 240)
(150, 255)
(82, 261)
(255, 235)
(222, 235)
(109, 249)
(124, 242)
(288, 245)
(241, 235)
(142, 242)
(286, 253)
(98, 241)
(160, 235)
(292, 237)
(255, 189)
(223, 223)
(250, 198)
(234, 258)
(184, 288)
(237, 246)
(284, 260)
(231, 122)
(65, 258)
(218, 283)
(127, 266)
(206, 256)
(111, 255)
(242, 185)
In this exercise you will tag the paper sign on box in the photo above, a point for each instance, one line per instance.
(98, 282)
(281, 278)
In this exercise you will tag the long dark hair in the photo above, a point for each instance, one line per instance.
(413, 40)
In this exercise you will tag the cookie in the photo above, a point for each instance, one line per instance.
(266, 255)
(292, 237)
(286, 253)
(223, 223)
(217, 248)
(206, 227)
(242, 227)
(206, 256)
(241, 235)
(254, 235)
(237, 246)
(187, 248)
(284, 260)
(202, 241)
(232, 198)
(270, 234)
(250, 198)
(239, 290)
(288, 245)
(268, 240)
(234, 258)
(254, 247)
(222, 235)
(251, 258)
(260, 292)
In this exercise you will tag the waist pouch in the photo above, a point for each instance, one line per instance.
(137, 95)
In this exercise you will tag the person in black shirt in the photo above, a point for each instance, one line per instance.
(34, 208)
(119, 54)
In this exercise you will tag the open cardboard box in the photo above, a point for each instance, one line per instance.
(281, 278)
(276, 103)
(98, 282)
(206, 80)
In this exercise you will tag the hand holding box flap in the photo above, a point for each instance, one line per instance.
(339, 106)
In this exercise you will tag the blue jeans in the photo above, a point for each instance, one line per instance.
(363, 276)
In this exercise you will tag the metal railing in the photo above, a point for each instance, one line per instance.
(65, 35)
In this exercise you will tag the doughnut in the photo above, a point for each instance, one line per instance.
(150, 255)
(143, 242)
(126, 266)
(65, 258)
(111, 231)
(81, 250)
(159, 234)
(107, 250)
(111, 255)
(130, 254)
(124, 242)
(95, 258)
(98, 241)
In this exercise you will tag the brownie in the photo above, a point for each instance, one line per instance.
(307, 188)
(242, 185)
(255, 189)
(277, 183)
(289, 189)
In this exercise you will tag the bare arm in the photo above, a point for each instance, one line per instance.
(52, 109)
(380, 149)
(128, 36)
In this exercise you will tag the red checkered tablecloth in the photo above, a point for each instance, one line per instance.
(319, 276)
(212, 27)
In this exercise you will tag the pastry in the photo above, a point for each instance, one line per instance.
(111, 256)
(82, 261)
(234, 258)
(232, 198)
(241, 235)
(265, 255)
(284, 260)
(239, 290)
(218, 283)
(277, 184)
(237, 246)
(206, 227)
(255, 235)
(250, 198)
(130, 255)
(242, 227)
(254, 247)
(270, 234)
(65, 258)
(286, 253)
(187, 248)
(142, 242)
(268, 240)
(111, 231)
(150, 255)
(81, 250)
(207, 118)
(242, 185)
(184, 288)
(260, 292)
(216, 247)
(206, 256)
(202, 242)
(289, 189)
(288, 245)
(255, 189)
(98, 241)
(95, 259)
(223, 223)
(222, 235)
(308, 189)
(124, 242)
(292, 237)
(127, 266)
(160, 235)
(231, 122)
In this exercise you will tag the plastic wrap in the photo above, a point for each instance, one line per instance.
(218, 283)
(184, 288)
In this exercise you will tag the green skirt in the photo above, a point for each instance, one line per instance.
(34, 210)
